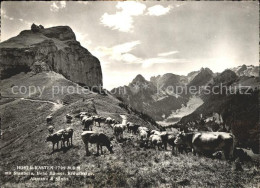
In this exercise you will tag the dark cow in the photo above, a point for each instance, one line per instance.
(88, 123)
(208, 142)
(176, 148)
(68, 118)
(132, 128)
(67, 136)
(55, 138)
(171, 139)
(241, 154)
(97, 119)
(96, 138)
(49, 119)
(164, 135)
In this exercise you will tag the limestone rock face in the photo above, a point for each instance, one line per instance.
(56, 48)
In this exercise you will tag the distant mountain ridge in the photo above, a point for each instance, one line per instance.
(158, 98)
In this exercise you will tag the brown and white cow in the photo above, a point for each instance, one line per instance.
(208, 142)
(155, 140)
(118, 130)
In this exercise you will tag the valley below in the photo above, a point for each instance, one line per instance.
(193, 103)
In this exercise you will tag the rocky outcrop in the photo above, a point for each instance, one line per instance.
(246, 70)
(226, 77)
(56, 48)
(202, 78)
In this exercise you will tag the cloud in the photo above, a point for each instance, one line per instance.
(122, 53)
(168, 53)
(123, 20)
(5, 16)
(159, 60)
(158, 10)
(131, 8)
(56, 6)
(118, 21)
(130, 58)
(119, 52)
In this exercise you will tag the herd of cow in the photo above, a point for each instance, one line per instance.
(215, 144)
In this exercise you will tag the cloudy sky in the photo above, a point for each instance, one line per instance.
(150, 38)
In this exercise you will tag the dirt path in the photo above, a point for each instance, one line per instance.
(56, 105)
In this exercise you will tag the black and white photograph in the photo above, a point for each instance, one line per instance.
(129, 94)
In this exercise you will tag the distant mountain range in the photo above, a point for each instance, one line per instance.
(159, 96)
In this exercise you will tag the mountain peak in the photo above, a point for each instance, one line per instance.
(56, 48)
(203, 76)
(139, 78)
(59, 32)
(206, 69)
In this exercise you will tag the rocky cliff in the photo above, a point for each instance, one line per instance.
(54, 48)
(246, 70)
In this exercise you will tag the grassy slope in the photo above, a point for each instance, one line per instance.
(130, 165)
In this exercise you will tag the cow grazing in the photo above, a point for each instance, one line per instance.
(164, 136)
(51, 129)
(79, 115)
(171, 139)
(143, 135)
(155, 140)
(132, 128)
(49, 119)
(110, 121)
(88, 123)
(96, 138)
(55, 138)
(208, 142)
(68, 118)
(67, 136)
(84, 114)
(119, 130)
(155, 132)
(97, 119)
(142, 128)
(175, 148)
